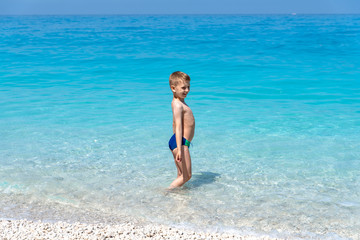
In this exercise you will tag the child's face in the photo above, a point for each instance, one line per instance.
(181, 89)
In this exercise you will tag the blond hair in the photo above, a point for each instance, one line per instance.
(178, 77)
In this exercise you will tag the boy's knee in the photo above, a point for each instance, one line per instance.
(187, 178)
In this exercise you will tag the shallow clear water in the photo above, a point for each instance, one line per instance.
(86, 117)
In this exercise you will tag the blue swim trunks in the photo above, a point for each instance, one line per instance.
(172, 142)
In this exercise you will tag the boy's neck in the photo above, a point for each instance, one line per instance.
(180, 99)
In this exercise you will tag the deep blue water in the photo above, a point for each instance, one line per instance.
(85, 118)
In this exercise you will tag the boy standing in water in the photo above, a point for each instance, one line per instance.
(183, 127)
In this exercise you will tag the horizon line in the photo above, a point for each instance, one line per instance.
(167, 14)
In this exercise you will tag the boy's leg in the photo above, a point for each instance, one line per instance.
(184, 168)
(186, 164)
(179, 179)
(177, 164)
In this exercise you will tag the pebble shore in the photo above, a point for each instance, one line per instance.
(25, 229)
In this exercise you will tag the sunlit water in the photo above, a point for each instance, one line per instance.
(85, 119)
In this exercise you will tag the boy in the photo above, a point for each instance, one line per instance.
(183, 127)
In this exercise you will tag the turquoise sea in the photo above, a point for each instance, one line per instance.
(85, 120)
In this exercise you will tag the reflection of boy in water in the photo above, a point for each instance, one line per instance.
(183, 127)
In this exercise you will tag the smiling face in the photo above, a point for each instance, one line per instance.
(181, 90)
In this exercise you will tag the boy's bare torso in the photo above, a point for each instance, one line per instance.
(187, 119)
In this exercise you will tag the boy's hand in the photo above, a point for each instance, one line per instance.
(178, 157)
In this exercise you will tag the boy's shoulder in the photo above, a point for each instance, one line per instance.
(177, 104)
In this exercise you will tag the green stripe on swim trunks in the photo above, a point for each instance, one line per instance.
(187, 143)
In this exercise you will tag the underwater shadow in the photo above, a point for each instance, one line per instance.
(201, 178)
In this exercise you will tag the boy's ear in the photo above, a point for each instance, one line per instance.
(172, 88)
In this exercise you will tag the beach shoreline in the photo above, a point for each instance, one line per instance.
(85, 122)
(27, 229)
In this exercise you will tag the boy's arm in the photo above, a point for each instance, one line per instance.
(178, 112)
